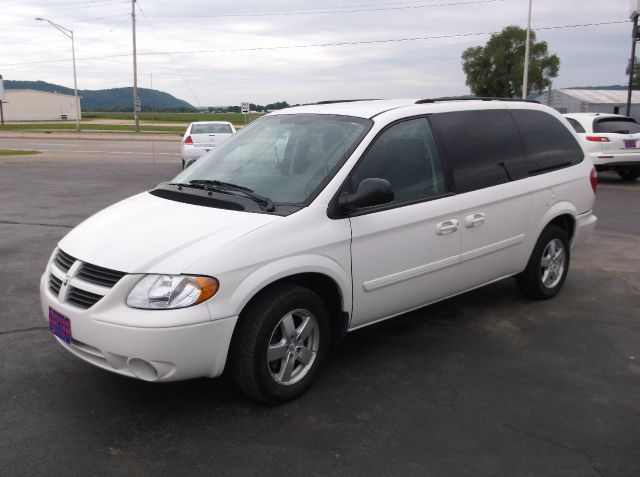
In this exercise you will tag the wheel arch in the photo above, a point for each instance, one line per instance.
(319, 274)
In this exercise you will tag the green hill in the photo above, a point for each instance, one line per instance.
(116, 99)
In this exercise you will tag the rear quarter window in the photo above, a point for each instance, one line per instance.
(482, 148)
(576, 125)
(548, 144)
(616, 125)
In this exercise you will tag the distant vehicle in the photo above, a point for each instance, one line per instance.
(612, 142)
(201, 137)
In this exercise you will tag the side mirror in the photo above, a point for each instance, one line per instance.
(371, 191)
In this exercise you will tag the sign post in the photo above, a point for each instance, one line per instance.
(244, 109)
(1, 101)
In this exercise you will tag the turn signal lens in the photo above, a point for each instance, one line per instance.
(166, 292)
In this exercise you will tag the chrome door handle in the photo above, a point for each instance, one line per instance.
(474, 220)
(447, 227)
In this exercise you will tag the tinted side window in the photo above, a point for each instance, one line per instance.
(548, 144)
(405, 154)
(576, 125)
(482, 148)
(616, 125)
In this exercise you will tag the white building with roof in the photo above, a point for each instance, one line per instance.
(32, 105)
(592, 101)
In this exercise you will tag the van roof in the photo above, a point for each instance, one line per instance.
(373, 107)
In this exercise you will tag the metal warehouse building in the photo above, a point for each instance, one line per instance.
(592, 101)
(31, 105)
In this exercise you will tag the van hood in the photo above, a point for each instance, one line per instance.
(148, 234)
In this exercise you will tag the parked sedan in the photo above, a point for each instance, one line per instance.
(612, 141)
(201, 137)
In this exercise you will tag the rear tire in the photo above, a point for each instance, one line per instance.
(279, 344)
(630, 173)
(548, 265)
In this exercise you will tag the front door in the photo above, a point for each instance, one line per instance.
(404, 254)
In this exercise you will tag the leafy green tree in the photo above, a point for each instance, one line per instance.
(636, 73)
(497, 69)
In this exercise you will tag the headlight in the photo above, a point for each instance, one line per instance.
(165, 292)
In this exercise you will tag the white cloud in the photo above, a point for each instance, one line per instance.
(589, 56)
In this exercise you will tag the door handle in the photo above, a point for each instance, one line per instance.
(474, 220)
(447, 227)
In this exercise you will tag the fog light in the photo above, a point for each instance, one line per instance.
(142, 369)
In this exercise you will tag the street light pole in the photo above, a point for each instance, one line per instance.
(69, 34)
(136, 100)
(525, 78)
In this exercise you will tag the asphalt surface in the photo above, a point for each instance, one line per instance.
(485, 384)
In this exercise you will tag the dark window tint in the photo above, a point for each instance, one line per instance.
(211, 129)
(576, 125)
(548, 144)
(405, 154)
(482, 148)
(616, 125)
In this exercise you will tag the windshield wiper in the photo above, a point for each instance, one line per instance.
(228, 188)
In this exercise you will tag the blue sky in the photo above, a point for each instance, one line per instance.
(211, 53)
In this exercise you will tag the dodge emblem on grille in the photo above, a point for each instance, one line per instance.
(66, 280)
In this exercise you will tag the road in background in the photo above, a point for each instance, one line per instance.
(484, 384)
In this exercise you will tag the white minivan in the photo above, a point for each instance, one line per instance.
(315, 221)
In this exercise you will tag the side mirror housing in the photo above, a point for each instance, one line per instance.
(371, 191)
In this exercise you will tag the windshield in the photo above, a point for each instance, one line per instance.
(286, 158)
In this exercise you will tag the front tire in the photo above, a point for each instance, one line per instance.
(548, 265)
(280, 342)
(628, 173)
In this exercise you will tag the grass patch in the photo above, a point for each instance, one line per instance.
(17, 152)
(89, 127)
(234, 118)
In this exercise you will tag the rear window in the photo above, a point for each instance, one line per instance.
(616, 125)
(211, 129)
(548, 144)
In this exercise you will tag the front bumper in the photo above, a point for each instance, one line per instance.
(124, 340)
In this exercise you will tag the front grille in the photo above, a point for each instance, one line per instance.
(86, 272)
(99, 275)
(54, 284)
(82, 298)
(63, 260)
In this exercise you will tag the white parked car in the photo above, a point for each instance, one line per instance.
(612, 141)
(202, 137)
(314, 221)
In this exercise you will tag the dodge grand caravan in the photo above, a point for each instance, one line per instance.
(315, 221)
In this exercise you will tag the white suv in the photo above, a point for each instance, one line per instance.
(612, 141)
(315, 221)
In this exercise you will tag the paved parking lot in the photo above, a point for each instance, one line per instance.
(488, 383)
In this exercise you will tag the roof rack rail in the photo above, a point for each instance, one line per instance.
(475, 98)
(333, 101)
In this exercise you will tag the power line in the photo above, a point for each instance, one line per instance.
(322, 45)
(144, 15)
(328, 11)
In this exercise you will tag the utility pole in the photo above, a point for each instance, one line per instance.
(632, 64)
(136, 100)
(525, 76)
